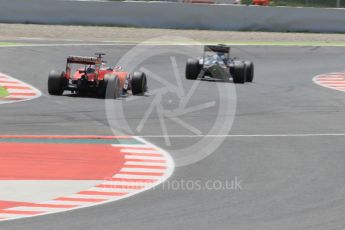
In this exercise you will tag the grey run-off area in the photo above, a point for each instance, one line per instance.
(288, 182)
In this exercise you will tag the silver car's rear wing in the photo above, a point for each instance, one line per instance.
(217, 48)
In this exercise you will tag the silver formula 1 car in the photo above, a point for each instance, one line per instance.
(217, 63)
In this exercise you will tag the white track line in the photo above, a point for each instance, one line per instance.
(139, 151)
(140, 157)
(64, 202)
(9, 83)
(85, 196)
(35, 209)
(142, 170)
(130, 176)
(136, 163)
(5, 215)
(246, 135)
(131, 146)
(19, 90)
(125, 183)
(119, 190)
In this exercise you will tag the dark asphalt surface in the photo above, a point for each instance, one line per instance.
(288, 182)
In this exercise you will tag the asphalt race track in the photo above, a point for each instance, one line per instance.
(286, 144)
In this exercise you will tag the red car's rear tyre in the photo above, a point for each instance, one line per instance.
(56, 83)
(111, 87)
(139, 83)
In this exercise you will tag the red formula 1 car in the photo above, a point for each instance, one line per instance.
(261, 2)
(89, 74)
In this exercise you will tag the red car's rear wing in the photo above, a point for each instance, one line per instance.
(83, 60)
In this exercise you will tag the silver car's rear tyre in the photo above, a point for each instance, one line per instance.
(250, 71)
(192, 69)
(239, 73)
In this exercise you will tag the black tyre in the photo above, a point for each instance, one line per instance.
(56, 83)
(138, 83)
(111, 87)
(250, 71)
(192, 69)
(239, 73)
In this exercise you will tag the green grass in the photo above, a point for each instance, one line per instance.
(4, 44)
(3, 92)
